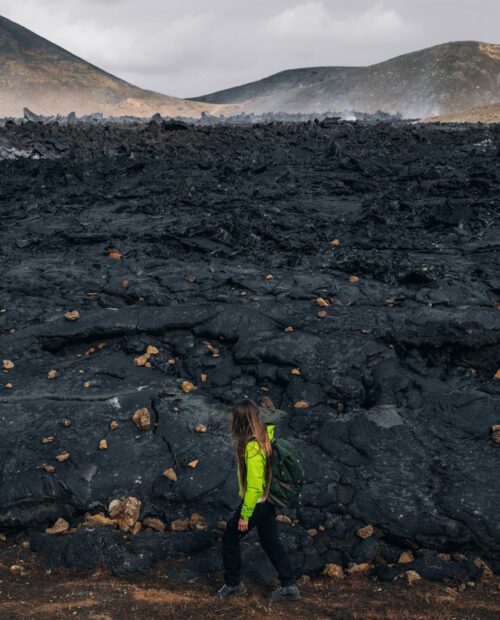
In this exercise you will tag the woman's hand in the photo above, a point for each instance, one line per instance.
(242, 525)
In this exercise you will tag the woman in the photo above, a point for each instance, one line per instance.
(254, 459)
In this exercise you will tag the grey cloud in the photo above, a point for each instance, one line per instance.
(191, 47)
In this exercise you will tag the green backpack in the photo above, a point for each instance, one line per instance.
(288, 475)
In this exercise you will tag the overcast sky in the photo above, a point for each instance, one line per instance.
(192, 47)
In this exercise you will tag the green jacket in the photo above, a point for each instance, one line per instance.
(255, 461)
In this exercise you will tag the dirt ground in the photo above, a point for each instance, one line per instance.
(33, 591)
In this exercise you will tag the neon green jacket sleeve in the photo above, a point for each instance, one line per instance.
(255, 461)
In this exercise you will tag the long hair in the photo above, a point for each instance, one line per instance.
(246, 425)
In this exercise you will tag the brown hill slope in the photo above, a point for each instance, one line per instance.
(48, 79)
(438, 80)
(484, 114)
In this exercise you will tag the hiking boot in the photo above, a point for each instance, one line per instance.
(285, 593)
(226, 591)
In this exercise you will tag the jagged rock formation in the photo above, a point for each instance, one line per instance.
(439, 80)
(37, 74)
(139, 258)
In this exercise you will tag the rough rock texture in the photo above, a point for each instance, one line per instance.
(167, 239)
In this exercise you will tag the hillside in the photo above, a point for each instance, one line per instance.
(438, 80)
(48, 79)
(484, 114)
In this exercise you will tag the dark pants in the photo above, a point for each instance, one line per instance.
(264, 518)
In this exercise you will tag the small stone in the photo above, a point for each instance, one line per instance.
(113, 425)
(52, 374)
(480, 563)
(126, 512)
(3, 538)
(269, 276)
(154, 524)
(363, 567)
(142, 360)
(8, 364)
(312, 531)
(151, 350)
(48, 439)
(60, 526)
(201, 428)
(446, 557)
(17, 568)
(86, 385)
(405, 557)
(142, 419)
(322, 314)
(99, 519)
(170, 474)
(171, 362)
(301, 404)
(353, 279)
(335, 243)
(289, 329)
(66, 422)
(180, 525)
(137, 527)
(197, 522)
(340, 407)
(334, 571)
(365, 532)
(193, 464)
(50, 469)
(322, 303)
(497, 375)
(495, 433)
(412, 577)
(8, 386)
(187, 386)
(283, 519)
(64, 456)
(103, 444)
(72, 315)
(203, 377)
(191, 279)
(125, 283)
(267, 403)
(295, 371)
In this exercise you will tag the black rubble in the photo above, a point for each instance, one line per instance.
(214, 245)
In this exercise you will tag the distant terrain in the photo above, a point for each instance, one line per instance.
(444, 79)
(37, 74)
(484, 114)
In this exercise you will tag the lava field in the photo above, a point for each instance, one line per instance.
(344, 275)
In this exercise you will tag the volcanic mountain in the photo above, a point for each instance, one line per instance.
(48, 79)
(438, 80)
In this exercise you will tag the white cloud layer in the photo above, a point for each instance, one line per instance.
(192, 47)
